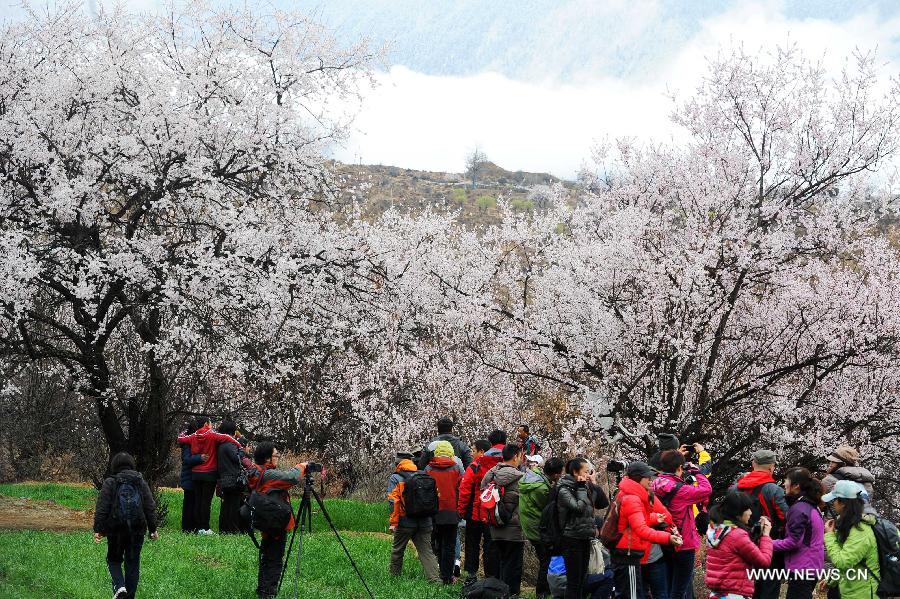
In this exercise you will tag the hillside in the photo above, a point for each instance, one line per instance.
(381, 187)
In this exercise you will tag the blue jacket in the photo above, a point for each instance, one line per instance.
(188, 461)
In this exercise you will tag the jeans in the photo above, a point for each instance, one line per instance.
(445, 536)
(629, 583)
(421, 538)
(681, 574)
(204, 490)
(543, 555)
(127, 548)
(656, 578)
(189, 511)
(478, 539)
(800, 589)
(229, 518)
(511, 554)
(576, 554)
(271, 552)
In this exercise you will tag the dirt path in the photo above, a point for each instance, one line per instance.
(18, 513)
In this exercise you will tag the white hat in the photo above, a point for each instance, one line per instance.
(535, 459)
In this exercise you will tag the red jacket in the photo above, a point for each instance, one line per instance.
(469, 504)
(205, 440)
(266, 480)
(635, 512)
(447, 474)
(731, 552)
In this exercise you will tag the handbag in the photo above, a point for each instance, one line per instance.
(599, 558)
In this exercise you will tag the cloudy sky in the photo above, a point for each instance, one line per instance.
(536, 83)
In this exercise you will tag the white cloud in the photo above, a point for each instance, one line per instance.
(430, 122)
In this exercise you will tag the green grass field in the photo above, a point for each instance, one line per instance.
(61, 565)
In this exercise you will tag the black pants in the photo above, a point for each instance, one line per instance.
(541, 588)
(770, 589)
(478, 539)
(445, 549)
(204, 490)
(189, 511)
(271, 552)
(628, 579)
(127, 548)
(229, 518)
(800, 589)
(576, 553)
(510, 554)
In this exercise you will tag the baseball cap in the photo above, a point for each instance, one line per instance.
(846, 489)
(535, 459)
(641, 470)
(763, 457)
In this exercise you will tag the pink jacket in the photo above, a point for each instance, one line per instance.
(682, 503)
(731, 553)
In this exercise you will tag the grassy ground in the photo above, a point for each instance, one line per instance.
(46, 564)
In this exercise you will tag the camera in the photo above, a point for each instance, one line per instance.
(756, 531)
(616, 466)
(313, 467)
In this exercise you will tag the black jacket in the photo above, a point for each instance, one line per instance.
(229, 463)
(104, 508)
(188, 461)
(576, 508)
(460, 449)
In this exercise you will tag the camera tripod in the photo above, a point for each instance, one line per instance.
(304, 519)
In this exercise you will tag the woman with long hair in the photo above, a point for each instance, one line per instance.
(850, 541)
(803, 544)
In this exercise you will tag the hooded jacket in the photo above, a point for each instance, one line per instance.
(576, 509)
(447, 474)
(761, 485)
(398, 518)
(635, 521)
(681, 504)
(860, 550)
(857, 474)
(803, 543)
(205, 440)
(460, 450)
(469, 506)
(731, 553)
(188, 461)
(507, 477)
(534, 493)
(107, 497)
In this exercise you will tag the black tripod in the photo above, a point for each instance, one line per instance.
(304, 519)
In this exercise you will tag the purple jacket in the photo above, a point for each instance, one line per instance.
(681, 505)
(804, 537)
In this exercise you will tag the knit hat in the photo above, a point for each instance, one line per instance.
(845, 455)
(667, 441)
(443, 449)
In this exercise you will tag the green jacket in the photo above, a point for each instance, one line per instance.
(860, 550)
(534, 493)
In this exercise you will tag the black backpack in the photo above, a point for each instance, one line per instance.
(486, 588)
(420, 497)
(128, 508)
(550, 528)
(760, 507)
(888, 557)
(267, 513)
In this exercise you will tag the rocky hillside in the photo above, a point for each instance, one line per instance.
(382, 187)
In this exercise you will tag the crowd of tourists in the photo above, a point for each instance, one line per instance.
(471, 509)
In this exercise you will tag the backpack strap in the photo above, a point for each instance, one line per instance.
(671, 494)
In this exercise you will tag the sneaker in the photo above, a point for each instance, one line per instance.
(205, 532)
(121, 593)
(456, 571)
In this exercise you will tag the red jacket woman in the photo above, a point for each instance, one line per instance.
(732, 553)
(637, 518)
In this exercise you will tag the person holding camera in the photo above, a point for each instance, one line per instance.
(803, 545)
(576, 513)
(639, 513)
(733, 550)
(675, 487)
(767, 499)
(265, 478)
